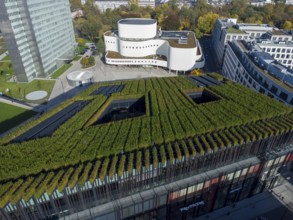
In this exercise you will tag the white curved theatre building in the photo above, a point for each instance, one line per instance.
(139, 41)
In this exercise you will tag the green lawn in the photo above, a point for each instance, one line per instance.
(11, 116)
(77, 58)
(79, 48)
(233, 30)
(20, 90)
(60, 71)
(6, 69)
(6, 58)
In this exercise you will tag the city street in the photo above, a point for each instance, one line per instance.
(210, 64)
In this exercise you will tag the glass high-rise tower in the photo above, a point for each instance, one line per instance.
(39, 36)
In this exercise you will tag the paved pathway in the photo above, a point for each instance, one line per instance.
(3, 55)
(17, 103)
(275, 205)
(102, 72)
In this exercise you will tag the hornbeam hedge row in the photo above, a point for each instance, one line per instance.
(145, 85)
(73, 147)
(173, 152)
(173, 129)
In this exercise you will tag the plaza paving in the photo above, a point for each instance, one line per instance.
(274, 205)
(102, 72)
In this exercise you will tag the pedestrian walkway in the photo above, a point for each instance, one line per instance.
(3, 55)
(102, 72)
(16, 103)
(275, 205)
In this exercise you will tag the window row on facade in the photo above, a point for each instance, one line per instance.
(133, 61)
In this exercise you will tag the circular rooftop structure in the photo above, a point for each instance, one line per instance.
(78, 78)
(137, 28)
(36, 95)
(137, 21)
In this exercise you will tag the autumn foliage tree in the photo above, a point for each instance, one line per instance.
(205, 24)
(170, 16)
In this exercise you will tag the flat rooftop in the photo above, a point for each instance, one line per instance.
(174, 34)
(275, 43)
(179, 39)
(137, 21)
(233, 30)
(279, 32)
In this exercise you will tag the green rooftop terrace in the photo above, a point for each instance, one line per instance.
(173, 126)
(232, 30)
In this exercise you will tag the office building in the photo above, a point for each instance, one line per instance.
(39, 36)
(139, 42)
(158, 148)
(277, 43)
(246, 63)
(227, 29)
(219, 3)
(260, 2)
(103, 5)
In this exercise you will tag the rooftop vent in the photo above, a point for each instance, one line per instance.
(183, 40)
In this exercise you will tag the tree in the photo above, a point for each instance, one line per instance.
(75, 4)
(90, 29)
(238, 7)
(90, 24)
(196, 72)
(91, 61)
(101, 46)
(80, 41)
(205, 24)
(133, 4)
(187, 18)
(201, 8)
(171, 22)
(84, 62)
(287, 25)
(173, 4)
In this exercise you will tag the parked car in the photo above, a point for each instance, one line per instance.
(84, 51)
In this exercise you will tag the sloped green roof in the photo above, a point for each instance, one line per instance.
(79, 150)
